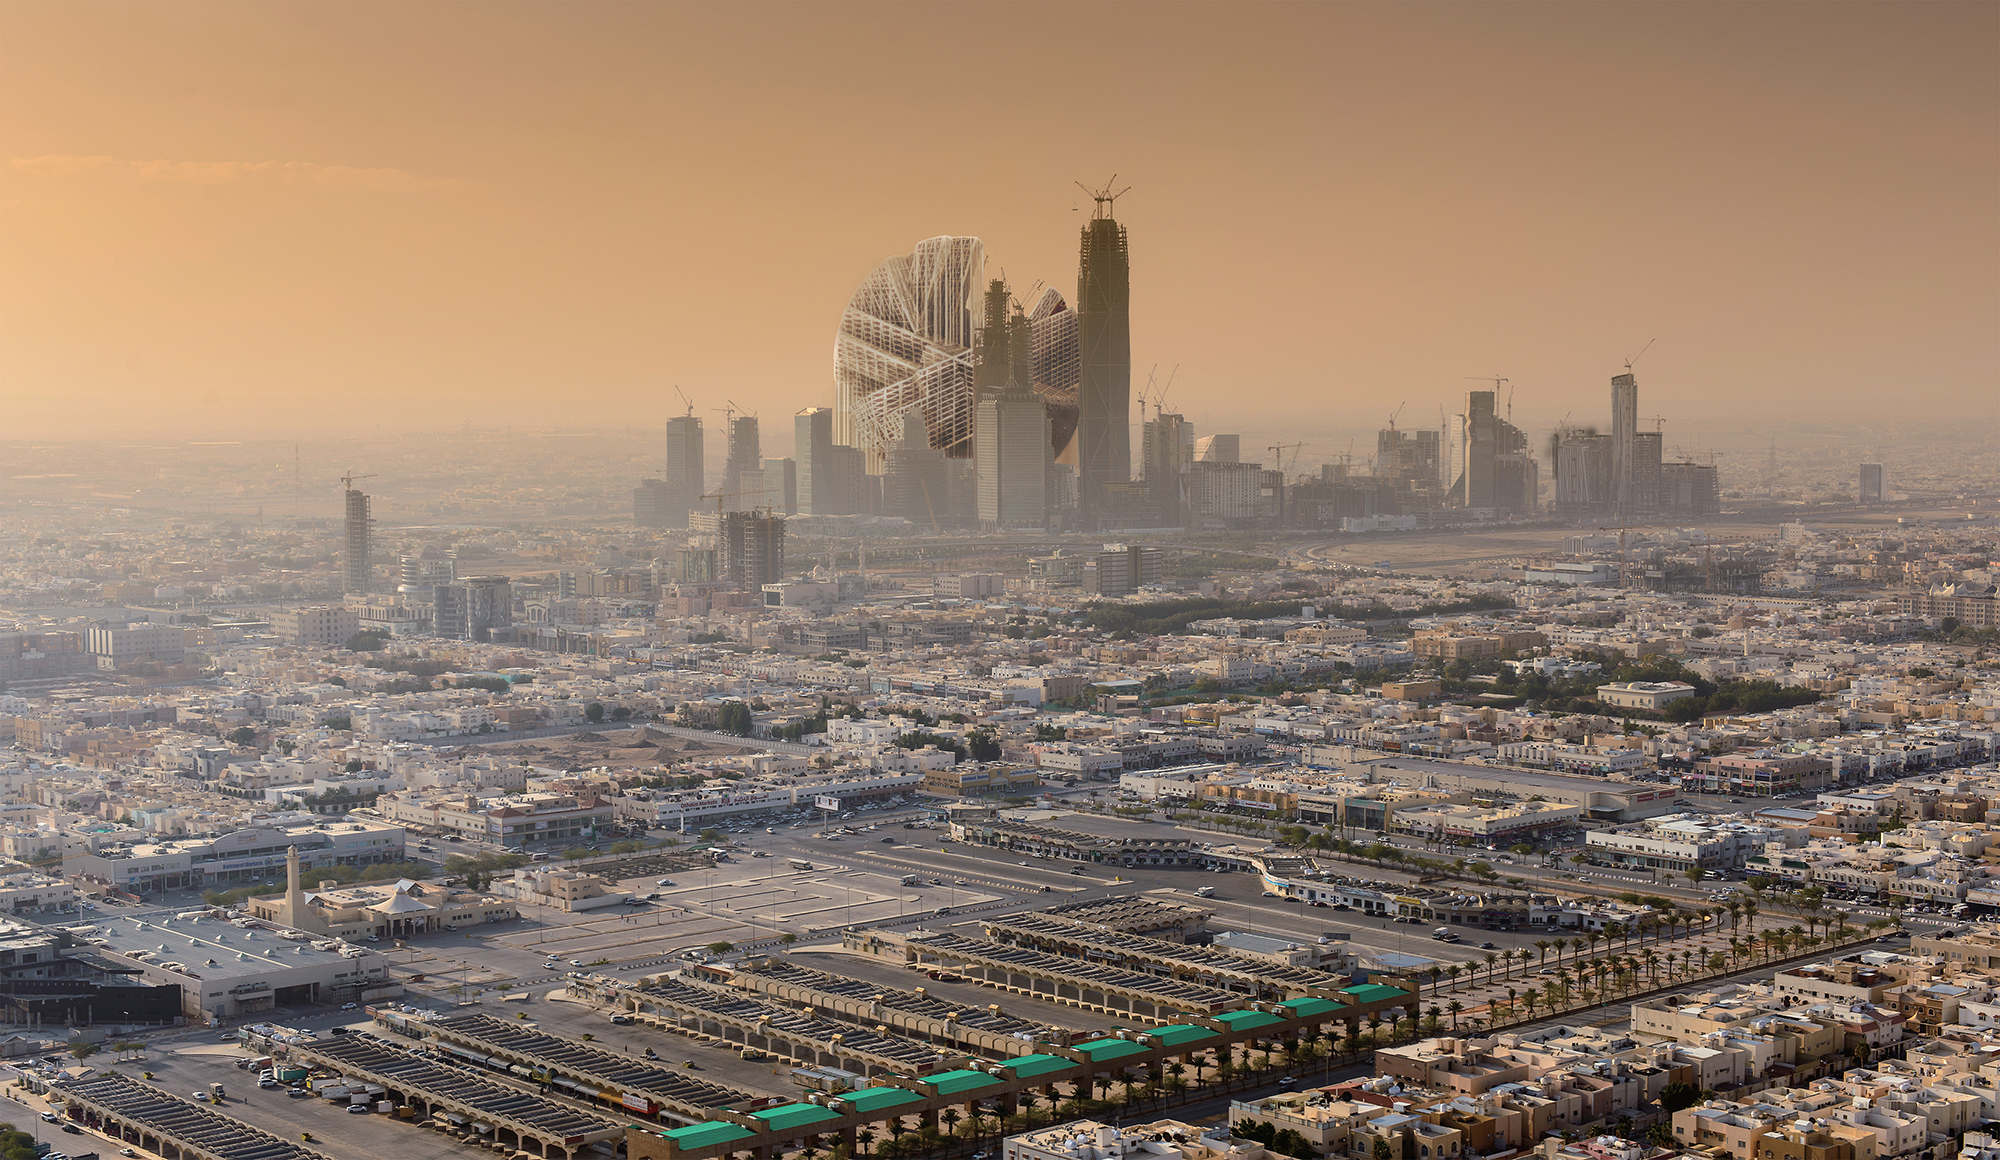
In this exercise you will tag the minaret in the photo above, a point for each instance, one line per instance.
(295, 897)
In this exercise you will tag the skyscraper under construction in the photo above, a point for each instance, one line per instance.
(1104, 324)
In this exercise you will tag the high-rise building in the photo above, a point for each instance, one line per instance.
(752, 549)
(475, 608)
(1219, 449)
(746, 452)
(1057, 354)
(913, 479)
(1689, 490)
(1624, 434)
(1104, 333)
(650, 501)
(812, 440)
(906, 342)
(1011, 456)
(424, 571)
(781, 479)
(1166, 454)
(846, 481)
(358, 533)
(1496, 468)
(1871, 483)
(1583, 474)
(686, 477)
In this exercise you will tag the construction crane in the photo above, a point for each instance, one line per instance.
(685, 399)
(1277, 451)
(728, 416)
(1497, 380)
(1396, 412)
(1146, 390)
(1640, 355)
(742, 408)
(350, 479)
(1104, 196)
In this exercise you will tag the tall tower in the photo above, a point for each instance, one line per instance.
(685, 473)
(1624, 444)
(1104, 324)
(1011, 455)
(812, 446)
(358, 530)
(745, 452)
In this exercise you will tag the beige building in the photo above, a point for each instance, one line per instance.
(565, 890)
(326, 625)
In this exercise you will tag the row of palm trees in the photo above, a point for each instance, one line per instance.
(1674, 923)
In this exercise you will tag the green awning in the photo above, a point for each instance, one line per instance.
(1100, 1050)
(1309, 1005)
(1245, 1020)
(704, 1135)
(1175, 1034)
(1033, 1065)
(950, 1083)
(795, 1116)
(1375, 993)
(874, 1099)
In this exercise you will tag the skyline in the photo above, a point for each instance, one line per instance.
(248, 222)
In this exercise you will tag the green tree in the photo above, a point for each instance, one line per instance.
(242, 735)
(1678, 1095)
(593, 712)
(721, 948)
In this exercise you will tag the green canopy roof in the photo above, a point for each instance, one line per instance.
(1244, 1020)
(1032, 1065)
(703, 1135)
(876, 1098)
(1374, 993)
(1100, 1050)
(1175, 1034)
(952, 1082)
(1309, 1005)
(795, 1116)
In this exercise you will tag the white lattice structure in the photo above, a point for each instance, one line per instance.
(906, 343)
(1058, 357)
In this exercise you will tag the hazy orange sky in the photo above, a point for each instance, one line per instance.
(280, 219)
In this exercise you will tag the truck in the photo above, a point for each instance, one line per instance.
(335, 1091)
(1205, 892)
(801, 864)
(215, 1091)
(289, 1074)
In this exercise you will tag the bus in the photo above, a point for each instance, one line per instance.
(801, 864)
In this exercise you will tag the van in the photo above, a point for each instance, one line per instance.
(538, 857)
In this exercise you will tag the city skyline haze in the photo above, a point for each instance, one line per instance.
(251, 221)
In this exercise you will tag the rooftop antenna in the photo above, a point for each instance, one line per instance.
(1106, 198)
(1640, 355)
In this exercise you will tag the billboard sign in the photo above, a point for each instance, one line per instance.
(827, 802)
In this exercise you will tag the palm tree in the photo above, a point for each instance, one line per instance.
(1652, 961)
(1543, 945)
(1454, 1007)
(1491, 958)
(1735, 910)
(1530, 997)
(1593, 938)
(1451, 972)
(1434, 971)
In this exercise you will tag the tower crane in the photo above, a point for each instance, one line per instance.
(1144, 391)
(728, 416)
(1396, 412)
(742, 408)
(1640, 355)
(1160, 400)
(685, 399)
(350, 479)
(1497, 380)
